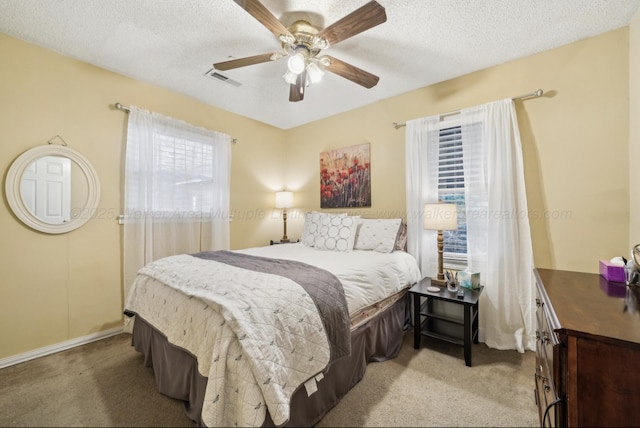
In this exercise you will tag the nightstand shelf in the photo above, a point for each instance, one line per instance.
(424, 310)
(428, 331)
(441, 315)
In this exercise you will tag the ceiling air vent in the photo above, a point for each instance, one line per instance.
(216, 75)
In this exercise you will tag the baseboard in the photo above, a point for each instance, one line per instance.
(62, 346)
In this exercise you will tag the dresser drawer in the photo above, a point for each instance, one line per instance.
(547, 342)
(547, 402)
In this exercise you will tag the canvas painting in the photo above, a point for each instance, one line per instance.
(345, 177)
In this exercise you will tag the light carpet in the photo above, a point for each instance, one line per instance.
(104, 383)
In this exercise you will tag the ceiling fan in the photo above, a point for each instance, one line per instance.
(302, 43)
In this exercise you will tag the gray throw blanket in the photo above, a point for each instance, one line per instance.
(324, 288)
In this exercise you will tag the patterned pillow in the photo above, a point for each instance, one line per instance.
(377, 234)
(337, 233)
(313, 221)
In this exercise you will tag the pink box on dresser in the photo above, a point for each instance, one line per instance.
(611, 272)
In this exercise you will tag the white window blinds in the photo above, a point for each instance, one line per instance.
(175, 170)
(184, 173)
(451, 188)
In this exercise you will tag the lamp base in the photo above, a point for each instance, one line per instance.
(285, 241)
(439, 282)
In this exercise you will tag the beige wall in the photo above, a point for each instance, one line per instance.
(575, 140)
(55, 288)
(575, 143)
(634, 130)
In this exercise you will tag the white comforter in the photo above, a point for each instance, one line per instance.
(235, 394)
(367, 276)
(256, 345)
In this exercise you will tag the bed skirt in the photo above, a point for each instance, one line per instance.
(177, 375)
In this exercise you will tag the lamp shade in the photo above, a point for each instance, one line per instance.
(284, 199)
(290, 78)
(315, 73)
(440, 217)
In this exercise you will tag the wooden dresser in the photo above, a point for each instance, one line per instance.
(588, 350)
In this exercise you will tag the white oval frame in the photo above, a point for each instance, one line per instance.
(14, 195)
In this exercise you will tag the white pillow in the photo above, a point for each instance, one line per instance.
(377, 234)
(337, 233)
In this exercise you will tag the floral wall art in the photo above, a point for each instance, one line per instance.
(345, 177)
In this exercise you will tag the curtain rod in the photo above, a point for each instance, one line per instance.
(126, 109)
(535, 94)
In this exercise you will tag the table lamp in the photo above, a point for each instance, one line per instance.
(440, 217)
(284, 200)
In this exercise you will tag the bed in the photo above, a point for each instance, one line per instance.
(274, 335)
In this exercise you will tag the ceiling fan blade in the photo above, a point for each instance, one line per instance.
(296, 92)
(242, 62)
(368, 16)
(262, 14)
(351, 72)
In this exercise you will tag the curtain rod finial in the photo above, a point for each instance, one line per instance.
(119, 106)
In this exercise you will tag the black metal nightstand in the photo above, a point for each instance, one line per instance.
(445, 317)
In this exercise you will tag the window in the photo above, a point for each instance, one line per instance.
(175, 172)
(176, 176)
(184, 172)
(451, 190)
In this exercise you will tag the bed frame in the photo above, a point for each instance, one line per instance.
(177, 376)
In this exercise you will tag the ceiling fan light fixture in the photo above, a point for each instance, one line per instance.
(314, 72)
(290, 77)
(296, 63)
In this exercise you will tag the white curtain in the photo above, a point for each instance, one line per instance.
(421, 160)
(498, 234)
(176, 191)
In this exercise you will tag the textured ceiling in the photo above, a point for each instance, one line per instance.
(173, 43)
